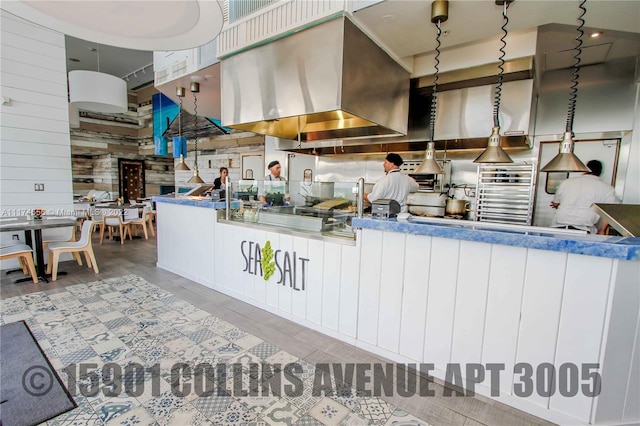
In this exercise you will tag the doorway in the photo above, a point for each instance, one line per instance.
(131, 177)
(605, 150)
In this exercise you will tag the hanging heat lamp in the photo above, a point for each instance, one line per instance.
(439, 14)
(195, 88)
(180, 140)
(494, 153)
(566, 160)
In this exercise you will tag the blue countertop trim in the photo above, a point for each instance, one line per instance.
(205, 202)
(592, 245)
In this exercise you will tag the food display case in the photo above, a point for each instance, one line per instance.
(324, 208)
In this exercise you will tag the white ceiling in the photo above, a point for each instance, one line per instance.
(404, 28)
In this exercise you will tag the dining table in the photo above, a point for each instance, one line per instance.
(29, 226)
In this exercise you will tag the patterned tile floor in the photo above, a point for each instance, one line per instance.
(132, 325)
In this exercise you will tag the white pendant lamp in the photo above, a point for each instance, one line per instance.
(566, 160)
(195, 88)
(99, 92)
(494, 152)
(439, 14)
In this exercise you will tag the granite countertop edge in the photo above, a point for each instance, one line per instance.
(626, 248)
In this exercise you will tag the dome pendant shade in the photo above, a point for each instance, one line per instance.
(196, 176)
(181, 165)
(565, 160)
(429, 166)
(99, 92)
(494, 152)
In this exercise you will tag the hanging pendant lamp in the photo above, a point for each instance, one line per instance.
(566, 160)
(195, 88)
(494, 152)
(439, 14)
(97, 91)
(180, 140)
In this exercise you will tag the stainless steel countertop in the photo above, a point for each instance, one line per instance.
(624, 218)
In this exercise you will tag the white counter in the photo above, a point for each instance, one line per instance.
(432, 299)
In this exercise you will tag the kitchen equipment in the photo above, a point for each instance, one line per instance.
(504, 193)
(427, 203)
(624, 218)
(332, 204)
(384, 208)
(317, 77)
(456, 207)
(217, 194)
(323, 190)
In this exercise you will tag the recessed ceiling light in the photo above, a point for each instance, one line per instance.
(596, 34)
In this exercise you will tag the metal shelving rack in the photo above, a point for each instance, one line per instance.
(505, 193)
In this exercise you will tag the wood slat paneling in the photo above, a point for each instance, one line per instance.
(414, 300)
(504, 303)
(443, 275)
(331, 286)
(581, 329)
(299, 298)
(391, 288)
(370, 287)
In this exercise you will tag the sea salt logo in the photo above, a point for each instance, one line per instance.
(292, 270)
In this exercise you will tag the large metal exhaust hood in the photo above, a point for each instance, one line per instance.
(464, 116)
(329, 81)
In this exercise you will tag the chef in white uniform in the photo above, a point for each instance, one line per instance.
(395, 185)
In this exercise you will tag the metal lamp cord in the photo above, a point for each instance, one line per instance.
(496, 105)
(575, 75)
(434, 99)
(195, 128)
(180, 117)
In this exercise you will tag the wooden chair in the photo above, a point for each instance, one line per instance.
(68, 236)
(150, 217)
(132, 219)
(114, 221)
(81, 246)
(25, 255)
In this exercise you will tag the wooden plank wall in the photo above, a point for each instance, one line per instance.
(103, 139)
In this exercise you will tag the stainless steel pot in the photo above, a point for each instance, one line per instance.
(456, 207)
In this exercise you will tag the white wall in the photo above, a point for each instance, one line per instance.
(35, 145)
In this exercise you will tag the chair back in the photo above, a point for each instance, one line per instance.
(97, 215)
(85, 235)
(146, 210)
(149, 204)
(131, 214)
(64, 234)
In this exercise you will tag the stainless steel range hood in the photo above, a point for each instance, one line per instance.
(464, 118)
(329, 81)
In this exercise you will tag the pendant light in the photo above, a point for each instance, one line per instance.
(439, 14)
(181, 140)
(494, 152)
(97, 91)
(195, 88)
(566, 160)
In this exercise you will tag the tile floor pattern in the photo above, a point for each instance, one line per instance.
(129, 321)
